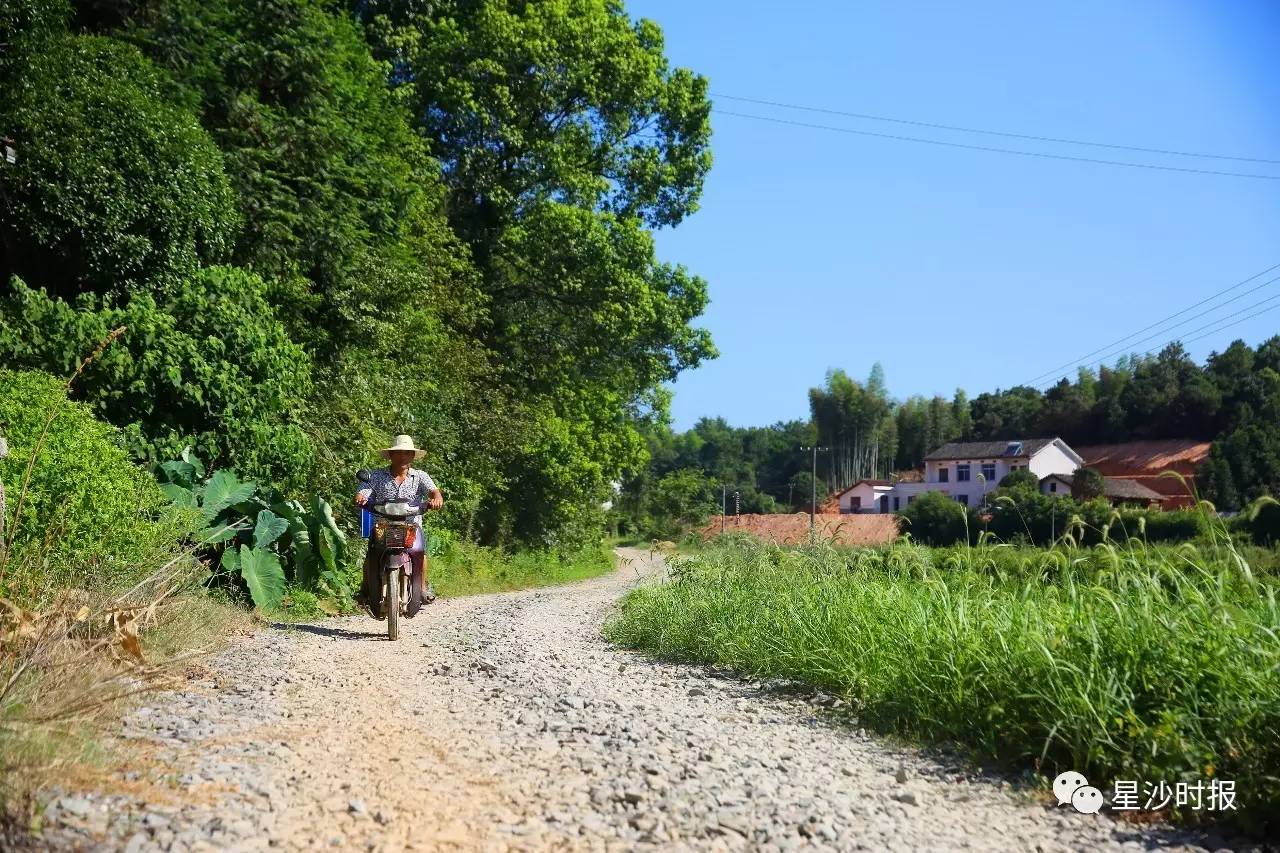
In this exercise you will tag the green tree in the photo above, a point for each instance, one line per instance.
(682, 498)
(856, 422)
(935, 519)
(1021, 478)
(116, 188)
(237, 396)
(334, 185)
(564, 136)
(1006, 414)
(563, 99)
(1087, 484)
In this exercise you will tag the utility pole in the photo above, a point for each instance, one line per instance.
(813, 488)
(723, 505)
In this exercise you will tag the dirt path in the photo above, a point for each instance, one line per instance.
(506, 722)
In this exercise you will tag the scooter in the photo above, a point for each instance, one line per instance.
(395, 536)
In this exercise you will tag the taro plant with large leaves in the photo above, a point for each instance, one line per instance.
(254, 533)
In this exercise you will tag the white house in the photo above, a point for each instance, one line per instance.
(965, 471)
(864, 496)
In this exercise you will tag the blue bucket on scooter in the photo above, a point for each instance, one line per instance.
(366, 523)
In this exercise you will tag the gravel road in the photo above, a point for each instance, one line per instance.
(506, 722)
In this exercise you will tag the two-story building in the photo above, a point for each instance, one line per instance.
(965, 471)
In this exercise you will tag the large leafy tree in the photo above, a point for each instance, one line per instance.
(531, 100)
(115, 188)
(343, 211)
(564, 136)
(330, 178)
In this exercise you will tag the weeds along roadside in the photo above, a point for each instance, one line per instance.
(1121, 662)
(99, 598)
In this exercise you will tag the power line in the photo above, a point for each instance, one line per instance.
(998, 150)
(1229, 325)
(1200, 328)
(1115, 343)
(1027, 136)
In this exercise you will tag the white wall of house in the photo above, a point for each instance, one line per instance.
(867, 495)
(961, 476)
(1055, 486)
(1055, 458)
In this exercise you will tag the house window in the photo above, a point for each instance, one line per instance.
(962, 473)
(895, 502)
(910, 498)
(989, 471)
(1053, 487)
(856, 502)
(962, 499)
(943, 474)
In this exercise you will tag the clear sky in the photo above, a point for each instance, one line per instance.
(958, 268)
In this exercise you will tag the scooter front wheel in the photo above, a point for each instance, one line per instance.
(393, 604)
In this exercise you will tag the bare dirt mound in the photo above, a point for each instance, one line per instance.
(793, 528)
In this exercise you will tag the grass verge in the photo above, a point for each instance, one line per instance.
(1133, 663)
(467, 569)
(68, 670)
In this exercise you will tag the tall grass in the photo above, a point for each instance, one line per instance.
(1134, 662)
(469, 569)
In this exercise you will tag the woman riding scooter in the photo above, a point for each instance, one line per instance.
(398, 482)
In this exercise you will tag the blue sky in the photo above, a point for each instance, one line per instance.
(957, 268)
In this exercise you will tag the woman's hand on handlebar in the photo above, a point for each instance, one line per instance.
(361, 499)
(435, 501)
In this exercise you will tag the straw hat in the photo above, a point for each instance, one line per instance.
(402, 442)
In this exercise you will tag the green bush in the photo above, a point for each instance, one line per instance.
(1262, 521)
(1023, 514)
(210, 367)
(935, 519)
(1184, 525)
(1021, 477)
(1087, 484)
(115, 188)
(89, 516)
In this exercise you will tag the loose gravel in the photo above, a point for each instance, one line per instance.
(506, 722)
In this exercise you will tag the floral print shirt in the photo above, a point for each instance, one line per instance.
(415, 489)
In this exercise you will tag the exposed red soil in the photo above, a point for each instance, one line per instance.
(793, 528)
(1145, 461)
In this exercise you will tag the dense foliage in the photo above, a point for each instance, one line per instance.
(116, 189)
(87, 517)
(935, 519)
(762, 465)
(254, 534)
(237, 396)
(1121, 663)
(1019, 513)
(325, 225)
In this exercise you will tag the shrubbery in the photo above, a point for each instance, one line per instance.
(115, 188)
(209, 366)
(1022, 514)
(89, 517)
(935, 519)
